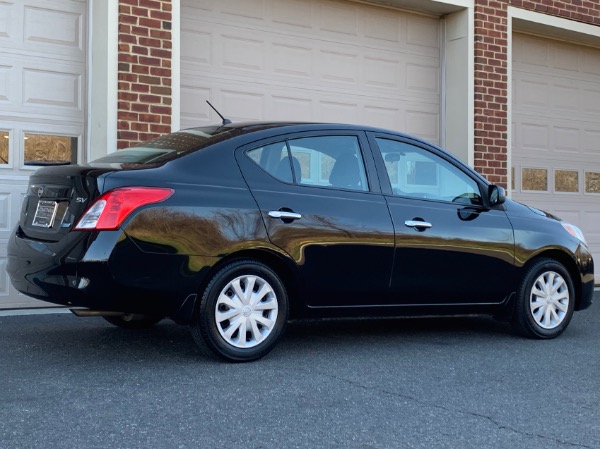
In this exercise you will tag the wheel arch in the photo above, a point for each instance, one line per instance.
(285, 269)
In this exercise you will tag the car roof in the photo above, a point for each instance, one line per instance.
(289, 126)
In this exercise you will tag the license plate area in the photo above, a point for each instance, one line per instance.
(45, 214)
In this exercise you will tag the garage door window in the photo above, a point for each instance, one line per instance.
(534, 179)
(566, 181)
(4, 141)
(49, 149)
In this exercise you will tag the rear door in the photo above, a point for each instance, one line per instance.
(321, 204)
(450, 248)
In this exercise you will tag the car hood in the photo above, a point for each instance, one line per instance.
(515, 208)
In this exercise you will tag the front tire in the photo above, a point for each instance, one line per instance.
(242, 313)
(545, 300)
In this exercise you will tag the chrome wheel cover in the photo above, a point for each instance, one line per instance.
(246, 311)
(549, 300)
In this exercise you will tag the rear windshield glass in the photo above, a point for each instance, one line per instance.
(168, 147)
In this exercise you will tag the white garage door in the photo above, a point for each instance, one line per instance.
(322, 60)
(556, 131)
(42, 79)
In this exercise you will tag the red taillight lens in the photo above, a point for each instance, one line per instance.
(111, 209)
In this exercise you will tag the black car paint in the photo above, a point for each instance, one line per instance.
(164, 253)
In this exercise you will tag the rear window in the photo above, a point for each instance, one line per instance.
(168, 147)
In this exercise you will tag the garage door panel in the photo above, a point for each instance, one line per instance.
(240, 52)
(292, 12)
(292, 108)
(589, 141)
(47, 29)
(591, 100)
(337, 17)
(590, 63)
(56, 28)
(254, 9)
(33, 87)
(291, 59)
(6, 24)
(246, 104)
(5, 76)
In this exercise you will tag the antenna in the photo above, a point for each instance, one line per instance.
(226, 121)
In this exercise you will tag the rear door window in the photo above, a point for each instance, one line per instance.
(323, 161)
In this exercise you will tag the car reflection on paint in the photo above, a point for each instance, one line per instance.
(234, 229)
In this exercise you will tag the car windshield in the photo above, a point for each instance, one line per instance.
(166, 148)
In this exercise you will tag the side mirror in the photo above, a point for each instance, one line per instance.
(496, 195)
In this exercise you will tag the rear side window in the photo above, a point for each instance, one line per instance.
(324, 161)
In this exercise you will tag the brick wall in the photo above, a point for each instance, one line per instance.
(491, 75)
(144, 91)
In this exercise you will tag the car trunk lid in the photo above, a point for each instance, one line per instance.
(56, 198)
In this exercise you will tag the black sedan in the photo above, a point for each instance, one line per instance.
(234, 229)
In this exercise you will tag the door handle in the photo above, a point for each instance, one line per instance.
(284, 215)
(418, 224)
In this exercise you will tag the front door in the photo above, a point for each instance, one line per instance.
(320, 206)
(450, 248)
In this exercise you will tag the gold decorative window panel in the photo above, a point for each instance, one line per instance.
(4, 141)
(45, 148)
(535, 179)
(566, 181)
(592, 182)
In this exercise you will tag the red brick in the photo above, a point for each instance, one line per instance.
(138, 126)
(160, 53)
(150, 42)
(142, 88)
(164, 110)
(150, 99)
(140, 107)
(140, 12)
(150, 23)
(139, 50)
(151, 4)
(143, 69)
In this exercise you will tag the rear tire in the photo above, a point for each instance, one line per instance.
(545, 300)
(132, 321)
(242, 313)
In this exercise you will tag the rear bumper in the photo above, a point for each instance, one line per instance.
(102, 270)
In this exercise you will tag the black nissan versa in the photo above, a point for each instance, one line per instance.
(234, 229)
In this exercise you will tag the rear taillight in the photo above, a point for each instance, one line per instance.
(111, 209)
